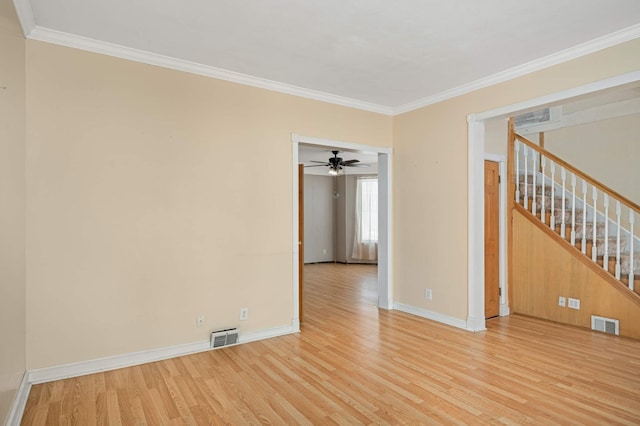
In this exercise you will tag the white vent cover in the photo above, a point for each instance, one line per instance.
(606, 325)
(537, 121)
(224, 337)
(534, 117)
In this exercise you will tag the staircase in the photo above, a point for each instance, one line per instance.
(591, 217)
(579, 228)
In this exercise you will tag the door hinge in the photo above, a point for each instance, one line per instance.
(499, 179)
(499, 291)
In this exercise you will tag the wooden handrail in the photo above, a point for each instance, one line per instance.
(577, 172)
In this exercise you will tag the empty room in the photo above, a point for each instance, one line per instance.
(411, 212)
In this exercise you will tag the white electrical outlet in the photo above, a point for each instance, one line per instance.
(244, 314)
(428, 294)
(574, 303)
(200, 321)
(562, 301)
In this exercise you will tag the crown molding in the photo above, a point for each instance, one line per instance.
(25, 16)
(34, 32)
(609, 40)
(118, 51)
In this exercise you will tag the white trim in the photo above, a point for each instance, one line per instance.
(35, 32)
(502, 238)
(19, 402)
(475, 144)
(82, 368)
(604, 42)
(385, 283)
(385, 219)
(433, 316)
(475, 277)
(25, 16)
(585, 89)
(123, 52)
(295, 243)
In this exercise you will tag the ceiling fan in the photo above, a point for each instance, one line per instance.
(336, 163)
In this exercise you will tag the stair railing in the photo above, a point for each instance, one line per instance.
(528, 165)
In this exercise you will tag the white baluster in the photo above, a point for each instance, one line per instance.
(552, 222)
(618, 214)
(632, 219)
(535, 172)
(526, 186)
(543, 161)
(517, 149)
(563, 177)
(594, 251)
(573, 209)
(584, 217)
(605, 261)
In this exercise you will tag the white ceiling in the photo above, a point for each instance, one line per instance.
(377, 55)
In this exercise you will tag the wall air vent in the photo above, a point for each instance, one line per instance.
(225, 337)
(536, 121)
(605, 325)
(534, 117)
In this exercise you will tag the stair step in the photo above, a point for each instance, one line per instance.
(557, 214)
(625, 263)
(600, 230)
(636, 283)
(611, 249)
(538, 189)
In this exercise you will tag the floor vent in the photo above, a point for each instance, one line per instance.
(224, 337)
(606, 325)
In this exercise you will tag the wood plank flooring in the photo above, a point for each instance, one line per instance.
(355, 364)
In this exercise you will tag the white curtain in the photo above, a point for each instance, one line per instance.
(365, 244)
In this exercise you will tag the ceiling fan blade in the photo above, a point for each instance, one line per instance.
(316, 165)
(350, 162)
(358, 165)
(315, 161)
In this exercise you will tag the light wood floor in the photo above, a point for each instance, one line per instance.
(355, 364)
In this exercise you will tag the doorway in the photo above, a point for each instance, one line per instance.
(384, 217)
(475, 165)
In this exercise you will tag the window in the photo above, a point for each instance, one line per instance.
(365, 243)
(367, 209)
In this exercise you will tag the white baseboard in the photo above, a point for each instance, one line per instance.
(434, 316)
(82, 368)
(19, 403)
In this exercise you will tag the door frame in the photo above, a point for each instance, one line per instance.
(385, 217)
(475, 182)
(502, 230)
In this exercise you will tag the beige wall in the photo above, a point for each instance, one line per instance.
(12, 225)
(430, 177)
(608, 150)
(155, 195)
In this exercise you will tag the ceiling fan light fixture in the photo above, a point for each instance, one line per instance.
(333, 171)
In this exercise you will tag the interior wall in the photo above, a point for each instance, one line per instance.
(430, 177)
(12, 213)
(156, 195)
(608, 150)
(319, 219)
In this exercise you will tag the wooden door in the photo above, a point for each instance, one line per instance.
(300, 236)
(491, 239)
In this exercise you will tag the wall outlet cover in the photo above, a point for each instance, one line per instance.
(562, 301)
(574, 303)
